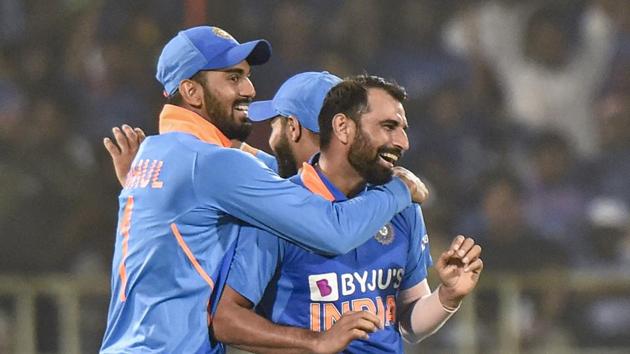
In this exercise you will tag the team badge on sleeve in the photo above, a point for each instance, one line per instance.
(385, 235)
(425, 241)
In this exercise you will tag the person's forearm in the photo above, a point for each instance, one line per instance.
(424, 317)
(243, 327)
(265, 350)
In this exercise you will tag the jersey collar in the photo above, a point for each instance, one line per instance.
(177, 119)
(318, 183)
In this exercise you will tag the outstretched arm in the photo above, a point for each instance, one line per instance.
(124, 150)
(241, 186)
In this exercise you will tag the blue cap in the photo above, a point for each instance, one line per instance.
(205, 48)
(301, 96)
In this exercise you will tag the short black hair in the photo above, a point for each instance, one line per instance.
(176, 98)
(350, 98)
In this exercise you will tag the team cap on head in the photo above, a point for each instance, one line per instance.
(205, 48)
(301, 96)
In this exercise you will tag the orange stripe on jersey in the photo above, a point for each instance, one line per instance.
(191, 257)
(314, 183)
(125, 225)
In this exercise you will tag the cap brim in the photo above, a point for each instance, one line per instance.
(261, 110)
(259, 53)
(255, 52)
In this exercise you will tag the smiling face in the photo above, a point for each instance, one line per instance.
(227, 94)
(380, 138)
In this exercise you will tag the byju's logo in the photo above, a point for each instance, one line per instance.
(323, 287)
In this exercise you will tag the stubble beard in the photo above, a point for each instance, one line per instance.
(364, 159)
(287, 163)
(224, 119)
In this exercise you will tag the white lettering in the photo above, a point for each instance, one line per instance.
(347, 284)
(361, 280)
(372, 285)
(399, 277)
(384, 285)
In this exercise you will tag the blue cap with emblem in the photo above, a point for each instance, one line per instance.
(205, 48)
(301, 96)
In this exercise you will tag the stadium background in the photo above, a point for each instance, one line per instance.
(519, 116)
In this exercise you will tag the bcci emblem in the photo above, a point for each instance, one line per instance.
(385, 235)
(222, 33)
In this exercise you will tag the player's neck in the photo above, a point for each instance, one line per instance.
(340, 173)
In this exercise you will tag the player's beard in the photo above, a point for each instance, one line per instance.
(364, 158)
(287, 163)
(224, 119)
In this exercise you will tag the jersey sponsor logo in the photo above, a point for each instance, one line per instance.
(385, 235)
(323, 287)
(371, 280)
(328, 286)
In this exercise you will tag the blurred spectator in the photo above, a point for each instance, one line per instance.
(611, 168)
(445, 143)
(554, 195)
(603, 317)
(549, 77)
(499, 221)
(47, 164)
(511, 246)
(412, 52)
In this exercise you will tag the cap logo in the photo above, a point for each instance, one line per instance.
(222, 33)
(385, 235)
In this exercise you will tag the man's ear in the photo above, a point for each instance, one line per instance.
(294, 129)
(344, 128)
(191, 92)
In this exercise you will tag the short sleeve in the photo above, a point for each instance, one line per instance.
(419, 255)
(258, 254)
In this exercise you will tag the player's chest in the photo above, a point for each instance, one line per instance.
(377, 268)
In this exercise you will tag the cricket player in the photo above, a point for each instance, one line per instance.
(188, 193)
(362, 135)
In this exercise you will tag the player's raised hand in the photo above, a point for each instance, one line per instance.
(352, 325)
(125, 148)
(459, 268)
(419, 192)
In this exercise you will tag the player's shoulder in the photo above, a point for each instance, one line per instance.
(178, 142)
(410, 214)
(230, 156)
(219, 161)
(409, 219)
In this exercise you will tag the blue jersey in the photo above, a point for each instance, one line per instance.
(180, 214)
(295, 287)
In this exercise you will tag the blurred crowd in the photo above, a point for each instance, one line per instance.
(519, 115)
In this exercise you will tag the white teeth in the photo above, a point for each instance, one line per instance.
(390, 157)
(243, 108)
